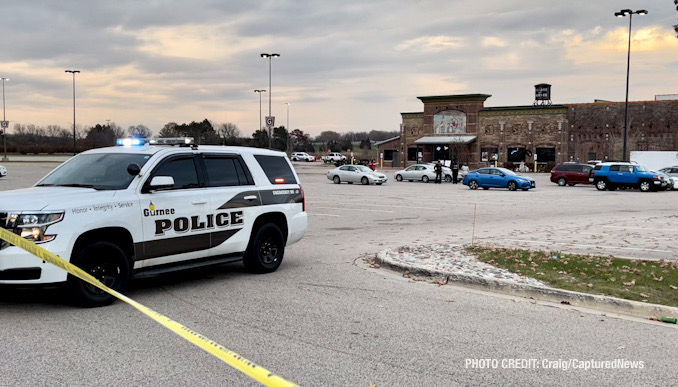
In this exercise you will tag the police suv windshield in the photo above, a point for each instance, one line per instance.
(100, 171)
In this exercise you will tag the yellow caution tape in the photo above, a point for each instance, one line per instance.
(231, 358)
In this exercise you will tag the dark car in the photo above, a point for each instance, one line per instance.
(571, 174)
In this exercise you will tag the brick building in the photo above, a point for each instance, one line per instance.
(460, 128)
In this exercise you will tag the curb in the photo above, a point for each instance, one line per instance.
(584, 300)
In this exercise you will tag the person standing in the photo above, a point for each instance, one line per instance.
(455, 172)
(438, 168)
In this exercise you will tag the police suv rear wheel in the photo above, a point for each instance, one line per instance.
(266, 250)
(107, 263)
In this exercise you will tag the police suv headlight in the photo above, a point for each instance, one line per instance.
(33, 226)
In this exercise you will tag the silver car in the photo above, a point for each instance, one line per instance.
(3, 171)
(422, 172)
(356, 174)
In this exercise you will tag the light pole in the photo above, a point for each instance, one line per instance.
(288, 125)
(259, 91)
(270, 91)
(73, 72)
(4, 121)
(629, 13)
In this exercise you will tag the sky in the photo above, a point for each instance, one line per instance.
(349, 65)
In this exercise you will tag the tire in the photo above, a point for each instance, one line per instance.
(448, 178)
(601, 185)
(486, 188)
(399, 178)
(645, 186)
(365, 181)
(336, 180)
(105, 262)
(562, 182)
(265, 251)
(512, 186)
(473, 184)
(424, 179)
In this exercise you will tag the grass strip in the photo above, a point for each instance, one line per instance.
(654, 282)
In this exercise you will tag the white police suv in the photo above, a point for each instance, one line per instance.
(148, 207)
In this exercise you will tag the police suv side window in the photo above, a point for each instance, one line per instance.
(182, 169)
(226, 171)
(277, 169)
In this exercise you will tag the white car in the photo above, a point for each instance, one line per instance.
(672, 172)
(356, 174)
(3, 171)
(302, 156)
(422, 172)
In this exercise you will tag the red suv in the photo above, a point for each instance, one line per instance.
(571, 174)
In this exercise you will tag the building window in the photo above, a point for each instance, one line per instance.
(489, 154)
(593, 156)
(515, 154)
(412, 154)
(388, 154)
(544, 155)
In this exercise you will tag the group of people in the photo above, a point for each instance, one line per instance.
(438, 169)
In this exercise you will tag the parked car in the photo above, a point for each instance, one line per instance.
(491, 177)
(3, 171)
(673, 175)
(571, 174)
(613, 175)
(334, 157)
(356, 174)
(422, 172)
(302, 156)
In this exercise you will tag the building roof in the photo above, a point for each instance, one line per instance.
(455, 98)
(433, 140)
(385, 141)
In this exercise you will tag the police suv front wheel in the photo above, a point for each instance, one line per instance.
(107, 263)
(266, 249)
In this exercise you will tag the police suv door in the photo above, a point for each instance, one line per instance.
(174, 218)
(235, 201)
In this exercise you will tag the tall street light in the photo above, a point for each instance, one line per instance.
(288, 125)
(259, 91)
(73, 72)
(270, 91)
(629, 13)
(4, 120)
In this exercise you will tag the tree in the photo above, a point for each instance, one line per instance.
(280, 138)
(260, 138)
(169, 130)
(139, 131)
(100, 136)
(229, 133)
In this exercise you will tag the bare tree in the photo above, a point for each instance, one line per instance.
(228, 132)
(139, 131)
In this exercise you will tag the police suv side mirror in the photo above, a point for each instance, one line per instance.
(160, 182)
(133, 169)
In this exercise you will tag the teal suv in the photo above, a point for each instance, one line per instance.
(613, 175)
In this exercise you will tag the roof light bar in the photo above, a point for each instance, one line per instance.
(129, 142)
(171, 141)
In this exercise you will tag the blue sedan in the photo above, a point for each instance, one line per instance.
(487, 178)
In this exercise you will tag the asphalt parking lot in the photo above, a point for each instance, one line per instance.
(324, 318)
(579, 219)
